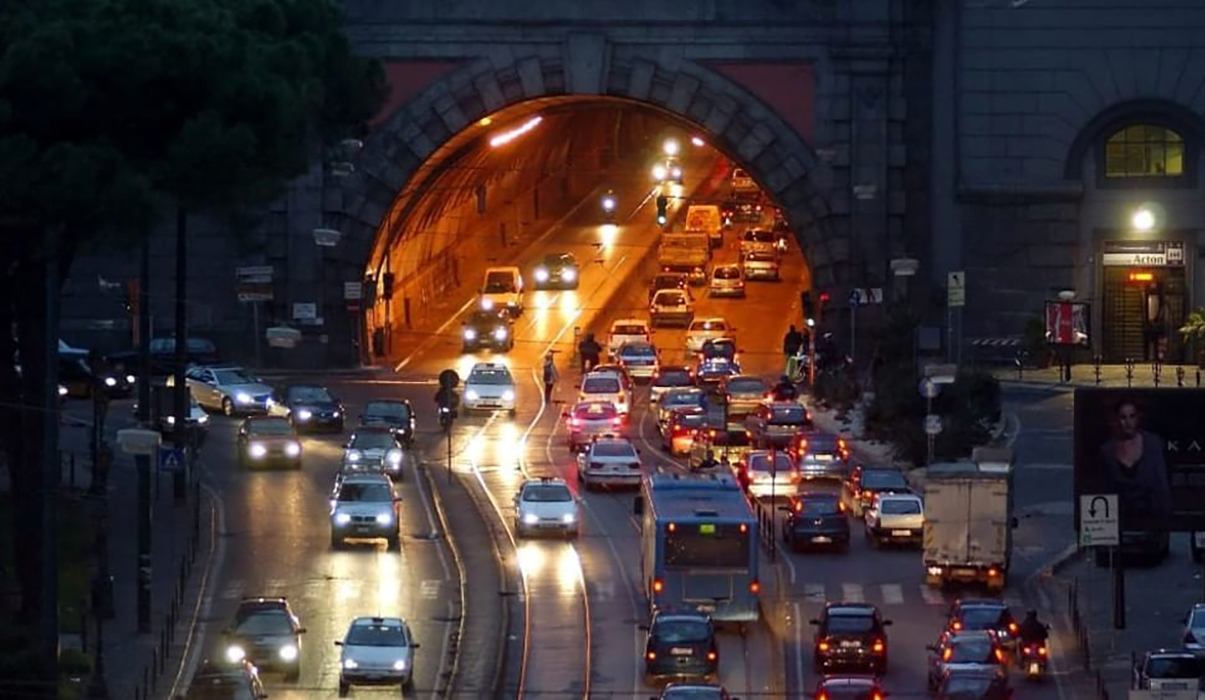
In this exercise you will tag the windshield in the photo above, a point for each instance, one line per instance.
(265, 622)
(490, 376)
(719, 348)
(547, 493)
(387, 409)
(713, 325)
(761, 462)
(365, 493)
(671, 299)
(629, 330)
(883, 479)
(693, 397)
(818, 506)
(746, 386)
(317, 394)
(786, 415)
(232, 376)
(638, 350)
(372, 441)
(615, 449)
(595, 411)
(1173, 667)
(728, 273)
(850, 624)
(383, 635)
(499, 283)
(673, 377)
(600, 385)
(972, 651)
(900, 506)
(270, 426)
(759, 236)
(761, 257)
(667, 281)
(682, 631)
(981, 618)
(484, 318)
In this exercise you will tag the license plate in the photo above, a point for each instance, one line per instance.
(705, 608)
(1035, 668)
(901, 533)
(821, 539)
(679, 651)
(850, 645)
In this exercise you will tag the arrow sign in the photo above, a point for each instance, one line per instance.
(1104, 503)
(1098, 521)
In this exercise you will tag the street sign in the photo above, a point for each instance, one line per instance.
(855, 297)
(1098, 520)
(254, 271)
(942, 374)
(956, 289)
(353, 290)
(254, 283)
(136, 441)
(928, 388)
(305, 311)
(171, 459)
(932, 424)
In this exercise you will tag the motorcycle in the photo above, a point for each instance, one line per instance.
(445, 417)
(1033, 657)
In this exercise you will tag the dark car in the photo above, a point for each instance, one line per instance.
(1170, 669)
(815, 518)
(667, 280)
(849, 688)
(819, 455)
(851, 635)
(776, 424)
(234, 681)
(970, 614)
(489, 329)
(679, 431)
(669, 377)
(311, 407)
(720, 348)
(694, 691)
(863, 483)
(395, 414)
(267, 440)
(729, 446)
(680, 644)
(265, 632)
(557, 271)
(973, 684)
(715, 370)
(744, 393)
(962, 649)
(75, 373)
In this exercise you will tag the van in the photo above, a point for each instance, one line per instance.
(503, 287)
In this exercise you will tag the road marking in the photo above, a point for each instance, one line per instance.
(852, 593)
(191, 656)
(893, 594)
(813, 592)
(604, 590)
(432, 338)
(429, 588)
(798, 646)
(932, 596)
(423, 496)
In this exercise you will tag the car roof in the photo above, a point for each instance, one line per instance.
(896, 496)
(366, 478)
(264, 603)
(680, 614)
(591, 403)
(842, 609)
(370, 429)
(727, 265)
(599, 439)
(971, 636)
(1171, 653)
(712, 319)
(545, 481)
(629, 322)
(485, 366)
(405, 402)
(367, 621)
(675, 368)
(636, 344)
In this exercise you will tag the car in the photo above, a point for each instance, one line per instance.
(1169, 669)
(680, 643)
(609, 460)
(490, 329)
(815, 518)
(972, 614)
(309, 407)
(895, 518)
(617, 370)
(229, 681)
(727, 281)
(1194, 630)
(374, 450)
(683, 397)
(849, 688)
(672, 307)
(376, 651)
(962, 650)
(605, 387)
(232, 390)
(694, 691)
(364, 506)
(266, 633)
(762, 265)
(742, 182)
(546, 505)
(824, 447)
(720, 349)
(703, 329)
(162, 401)
(639, 359)
(973, 684)
(758, 240)
(766, 474)
(502, 288)
(395, 414)
(590, 418)
(711, 372)
(627, 330)
(557, 271)
(776, 424)
(667, 378)
(489, 386)
(265, 440)
(850, 635)
(726, 445)
(745, 209)
(862, 483)
(76, 374)
(679, 431)
(668, 280)
(744, 393)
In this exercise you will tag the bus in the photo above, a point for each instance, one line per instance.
(699, 546)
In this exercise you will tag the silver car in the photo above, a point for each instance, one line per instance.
(727, 281)
(228, 389)
(364, 506)
(760, 265)
(376, 651)
(639, 359)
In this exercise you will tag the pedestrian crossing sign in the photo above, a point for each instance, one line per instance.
(171, 459)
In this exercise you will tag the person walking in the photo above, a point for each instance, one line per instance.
(791, 343)
(550, 377)
(589, 351)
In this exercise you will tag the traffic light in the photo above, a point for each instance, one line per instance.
(387, 286)
(662, 210)
(805, 301)
(821, 306)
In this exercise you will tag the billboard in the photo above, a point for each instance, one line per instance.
(1148, 447)
(1067, 323)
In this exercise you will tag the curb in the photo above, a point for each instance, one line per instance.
(453, 672)
(1022, 385)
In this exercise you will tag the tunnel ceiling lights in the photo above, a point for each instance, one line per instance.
(508, 136)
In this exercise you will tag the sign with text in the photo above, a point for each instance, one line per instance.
(956, 289)
(1098, 520)
(1067, 323)
(1143, 253)
(254, 283)
(1147, 446)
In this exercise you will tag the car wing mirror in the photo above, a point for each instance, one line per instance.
(300, 630)
(813, 621)
(415, 646)
(338, 643)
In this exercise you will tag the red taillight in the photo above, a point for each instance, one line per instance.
(754, 586)
(946, 654)
(617, 420)
(712, 656)
(652, 656)
(822, 696)
(744, 528)
(1012, 628)
(822, 646)
(658, 585)
(878, 696)
(799, 506)
(956, 626)
(671, 527)
(1000, 656)
(993, 573)
(879, 646)
(1041, 651)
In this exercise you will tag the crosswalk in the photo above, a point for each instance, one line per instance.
(335, 589)
(882, 594)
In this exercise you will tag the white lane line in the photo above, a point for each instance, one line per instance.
(798, 646)
(213, 569)
(853, 593)
(431, 338)
(1016, 433)
(656, 451)
(813, 592)
(439, 550)
(931, 596)
(893, 594)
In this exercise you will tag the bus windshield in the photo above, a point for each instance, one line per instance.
(703, 545)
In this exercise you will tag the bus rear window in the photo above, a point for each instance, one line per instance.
(707, 545)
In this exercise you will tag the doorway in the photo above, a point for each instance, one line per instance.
(1141, 311)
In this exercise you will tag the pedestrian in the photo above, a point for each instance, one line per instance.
(791, 342)
(550, 377)
(590, 351)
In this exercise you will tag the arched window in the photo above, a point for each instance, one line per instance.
(1144, 150)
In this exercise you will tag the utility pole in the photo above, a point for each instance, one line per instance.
(143, 462)
(48, 616)
(180, 407)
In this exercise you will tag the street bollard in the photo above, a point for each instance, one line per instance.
(1130, 372)
(1097, 361)
(1019, 361)
(1157, 371)
(1180, 376)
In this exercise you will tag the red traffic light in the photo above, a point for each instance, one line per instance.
(823, 297)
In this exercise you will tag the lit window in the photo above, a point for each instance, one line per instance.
(1144, 150)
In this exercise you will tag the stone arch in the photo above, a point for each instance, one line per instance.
(398, 159)
(1172, 115)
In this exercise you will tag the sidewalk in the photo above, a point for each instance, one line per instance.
(1112, 376)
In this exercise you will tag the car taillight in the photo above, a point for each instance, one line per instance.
(754, 586)
(878, 696)
(658, 585)
(946, 654)
(620, 396)
(956, 626)
(652, 655)
(1012, 626)
(1041, 651)
(822, 696)
(798, 506)
(744, 528)
(574, 421)
(879, 646)
(712, 656)
(822, 646)
(993, 572)
(1000, 655)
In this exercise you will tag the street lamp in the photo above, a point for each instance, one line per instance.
(670, 147)
(1143, 220)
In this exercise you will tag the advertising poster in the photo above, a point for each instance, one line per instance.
(1067, 323)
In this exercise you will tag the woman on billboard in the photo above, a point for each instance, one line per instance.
(1134, 462)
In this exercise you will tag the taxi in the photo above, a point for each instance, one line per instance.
(588, 419)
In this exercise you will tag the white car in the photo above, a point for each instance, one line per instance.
(627, 330)
(607, 387)
(762, 481)
(639, 359)
(704, 329)
(546, 505)
(489, 386)
(672, 306)
(609, 460)
(895, 517)
(376, 651)
(727, 281)
(364, 506)
(503, 288)
(760, 265)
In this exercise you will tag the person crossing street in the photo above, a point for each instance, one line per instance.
(550, 377)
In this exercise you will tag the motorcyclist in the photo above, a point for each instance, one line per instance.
(447, 396)
(784, 390)
(1033, 631)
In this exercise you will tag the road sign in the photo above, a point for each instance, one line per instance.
(254, 283)
(1098, 520)
(932, 424)
(449, 379)
(171, 459)
(855, 297)
(353, 290)
(137, 441)
(305, 311)
(928, 388)
(956, 289)
(254, 271)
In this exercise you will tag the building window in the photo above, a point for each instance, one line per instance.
(1144, 150)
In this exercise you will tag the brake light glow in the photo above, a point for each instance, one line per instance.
(754, 586)
(712, 656)
(658, 585)
(993, 573)
(652, 656)
(878, 696)
(840, 508)
(822, 646)
(799, 507)
(1012, 628)
(1041, 651)
(671, 527)
(946, 654)
(822, 696)
(956, 626)
(879, 646)
(744, 528)
(1000, 656)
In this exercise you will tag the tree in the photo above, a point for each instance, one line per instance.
(115, 112)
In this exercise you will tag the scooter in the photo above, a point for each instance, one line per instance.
(445, 417)
(1033, 658)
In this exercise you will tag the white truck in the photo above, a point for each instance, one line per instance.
(968, 525)
(686, 252)
(705, 218)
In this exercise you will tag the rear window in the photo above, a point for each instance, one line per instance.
(883, 479)
(1174, 667)
(709, 326)
(389, 409)
(690, 419)
(642, 350)
(761, 256)
(852, 624)
(682, 631)
(982, 618)
(759, 236)
(683, 398)
(901, 506)
(601, 385)
(671, 299)
(595, 411)
(727, 273)
(761, 462)
(730, 438)
(614, 449)
(673, 377)
(819, 506)
(746, 386)
(786, 415)
(629, 330)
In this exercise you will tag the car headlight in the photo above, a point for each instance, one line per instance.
(659, 172)
(293, 449)
(384, 518)
(499, 334)
(110, 381)
(677, 172)
(130, 379)
(350, 663)
(354, 456)
(242, 397)
(470, 334)
(171, 420)
(487, 303)
(541, 274)
(305, 414)
(568, 517)
(235, 653)
(530, 519)
(288, 652)
(472, 395)
(508, 395)
(202, 419)
(394, 456)
(399, 665)
(568, 274)
(62, 390)
(256, 450)
(342, 518)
